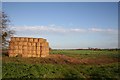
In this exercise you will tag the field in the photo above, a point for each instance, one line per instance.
(72, 64)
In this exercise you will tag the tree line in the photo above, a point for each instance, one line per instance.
(5, 31)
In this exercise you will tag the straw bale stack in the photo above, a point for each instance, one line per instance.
(28, 47)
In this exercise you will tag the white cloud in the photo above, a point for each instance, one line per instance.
(96, 30)
(78, 30)
(55, 29)
(99, 30)
(47, 28)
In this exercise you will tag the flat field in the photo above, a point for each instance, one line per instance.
(62, 64)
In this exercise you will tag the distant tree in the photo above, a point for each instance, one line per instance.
(6, 32)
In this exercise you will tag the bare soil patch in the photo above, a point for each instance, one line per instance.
(71, 60)
(60, 59)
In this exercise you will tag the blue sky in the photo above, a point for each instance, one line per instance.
(60, 0)
(66, 25)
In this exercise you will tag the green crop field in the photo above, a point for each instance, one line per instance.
(71, 64)
(87, 53)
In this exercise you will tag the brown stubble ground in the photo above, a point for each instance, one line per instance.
(60, 59)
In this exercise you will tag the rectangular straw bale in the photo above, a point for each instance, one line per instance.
(29, 48)
(43, 55)
(24, 43)
(42, 44)
(38, 48)
(19, 47)
(17, 39)
(29, 52)
(47, 51)
(45, 48)
(41, 40)
(47, 54)
(16, 47)
(42, 52)
(29, 55)
(10, 52)
(34, 52)
(38, 52)
(37, 55)
(34, 55)
(20, 43)
(20, 51)
(11, 43)
(33, 44)
(22, 39)
(30, 39)
(45, 44)
(11, 47)
(16, 52)
(15, 55)
(16, 43)
(12, 55)
(25, 47)
(35, 40)
(13, 39)
(26, 39)
(38, 44)
(34, 48)
(24, 52)
(13, 51)
(24, 55)
(29, 43)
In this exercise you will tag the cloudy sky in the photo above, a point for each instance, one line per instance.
(66, 24)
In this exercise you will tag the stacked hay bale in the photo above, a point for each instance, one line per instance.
(28, 47)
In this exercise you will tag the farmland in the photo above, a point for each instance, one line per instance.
(73, 64)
